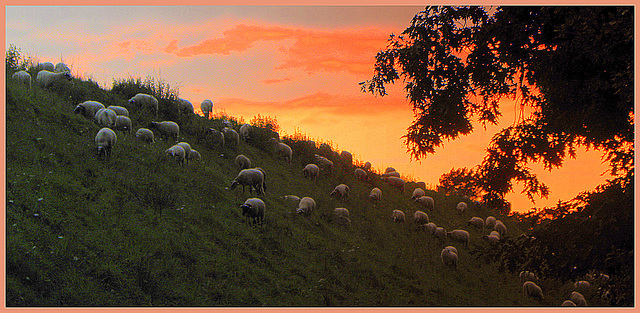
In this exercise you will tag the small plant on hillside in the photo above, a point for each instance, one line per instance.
(14, 60)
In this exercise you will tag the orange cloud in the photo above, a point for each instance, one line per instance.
(276, 81)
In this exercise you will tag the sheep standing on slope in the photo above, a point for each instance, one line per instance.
(145, 101)
(532, 290)
(194, 155)
(449, 257)
(346, 158)
(461, 207)
(578, 299)
(459, 235)
(167, 129)
(177, 152)
(207, 107)
(88, 109)
(440, 233)
(281, 149)
(242, 161)
(47, 78)
(582, 286)
(61, 67)
(311, 171)
(324, 163)
(231, 137)
(477, 222)
(500, 228)
(420, 218)
(145, 135)
(491, 239)
(527, 276)
(105, 140)
(417, 193)
(341, 217)
(185, 106)
(245, 132)
(490, 222)
(123, 123)
(119, 110)
(367, 166)
(251, 177)
(254, 208)
(398, 216)
(375, 194)
(341, 192)
(396, 182)
(568, 303)
(306, 205)
(430, 227)
(389, 170)
(187, 150)
(218, 137)
(426, 202)
(23, 77)
(391, 174)
(106, 118)
(48, 66)
(361, 175)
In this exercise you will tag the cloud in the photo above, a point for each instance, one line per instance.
(277, 81)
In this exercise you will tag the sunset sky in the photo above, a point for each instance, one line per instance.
(299, 64)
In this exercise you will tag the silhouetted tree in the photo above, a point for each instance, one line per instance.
(459, 182)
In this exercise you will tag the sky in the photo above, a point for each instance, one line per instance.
(298, 64)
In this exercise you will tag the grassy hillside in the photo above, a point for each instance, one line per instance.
(140, 230)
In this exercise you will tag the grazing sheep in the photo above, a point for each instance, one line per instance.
(61, 67)
(242, 161)
(119, 110)
(391, 174)
(494, 233)
(106, 118)
(231, 137)
(254, 208)
(389, 170)
(282, 149)
(23, 77)
(341, 217)
(105, 140)
(185, 106)
(491, 239)
(430, 227)
(218, 136)
(148, 102)
(177, 152)
(417, 193)
(532, 290)
(459, 235)
(145, 135)
(426, 202)
(346, 158)
(582, 285)
(398, 216)
(341, 192)
(88, 109)
(123, 123)
(449, 257)
(477, 222)
(461, 207)
(367, 166)
(311, 171)
(47, 78)
(292, 198)
(187, 149)
(227, 123)
(500, 228)
(568, 303)
(490, 222)
(375, 194)
(527, 276)
(324, 163)
(48, 66)
(440, 233)
(361, 175)
(340, 212)
(194, 155)
(245, 132)
(207, 107)
(452, 249)
(306, 205)
(578, 299)
(396, 182)
(420, 218)
(167, 129)
(251, 177)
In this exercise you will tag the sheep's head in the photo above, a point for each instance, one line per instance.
(247, 210)
(79, 109)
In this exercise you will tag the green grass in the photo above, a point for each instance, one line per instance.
(139, 230)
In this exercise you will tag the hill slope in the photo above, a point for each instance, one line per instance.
(140, 230)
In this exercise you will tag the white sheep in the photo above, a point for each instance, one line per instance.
(341, 192)
(123, 123)
(340, 212)
(324, 163)
(292, 198)
(389, 170)
(23, 77)
(461, 207)
(346, 158)
(491, 239)
(449, 257)
(281, 149)
(185, 106)
(245, 132)
(494, 233)
(242, 161)
(417, 193)
(177, 152)
(311, 171)
(398, 216)
(477, 222)
(145, 135)
(105, 140)
(500, 228)
(120, 110)
(532, 290)
(527, 276)
(306, 205)
(231, 137)
(167, 129)
(61, 67)
(45, 66)
(375, 194)
(255, 209)
(420, 218)
(106, 118)
(194, 155)
(252, 177)
(47, 78)
(426, 202)
(440, 233)
(578, 299)
(490, 222)
(88, 109)
(459, 235)
(360, 174)
(207, 107)
(145, 101)
(396, 182)
(187, 149)
(568, 303)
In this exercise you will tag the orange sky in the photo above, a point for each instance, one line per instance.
(301, 65)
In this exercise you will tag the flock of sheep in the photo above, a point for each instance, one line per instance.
(116, 118)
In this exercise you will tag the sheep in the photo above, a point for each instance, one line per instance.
(452, 249)
(494, 233)
(282, 149)
(430, 227)
(292, 198)
(61, 67)
(449, 258)
(245, 132)
(360, 174)
(47, 78)
(578, 299)
(375, 194)
(389, 170)
(459, 235)
(88, 109)
(582, 285)
(254, 208)
(568, 303)
(105, 140)
(530, 289)
(145, 135)
(426, 202)
(346, 158)
(123, 123)
(491, 239)
(391, 174)
(167, 129)
(148, 102)
(185, 106)
(231, 137)
(46, 66)
(242, 161)
(194, 155)
(461, 207)
(306, 205)
(341, 217)
(251, 177)
(477, 222)
(341, 191)
(440, 233)
(106, 118)
(177, 152)
(23, 77)
(311, 171)
(396, 182)
(340, 212)
(490, 222)
(367, 166)
(500, 228)
(398, 216)
(324, 163)
(119, 110)
(207, 107)
(187, 150)
(420, 218)
(417, 193)
(218, 136)
(527, 276)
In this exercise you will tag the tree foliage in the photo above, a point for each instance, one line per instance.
(459, 182)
